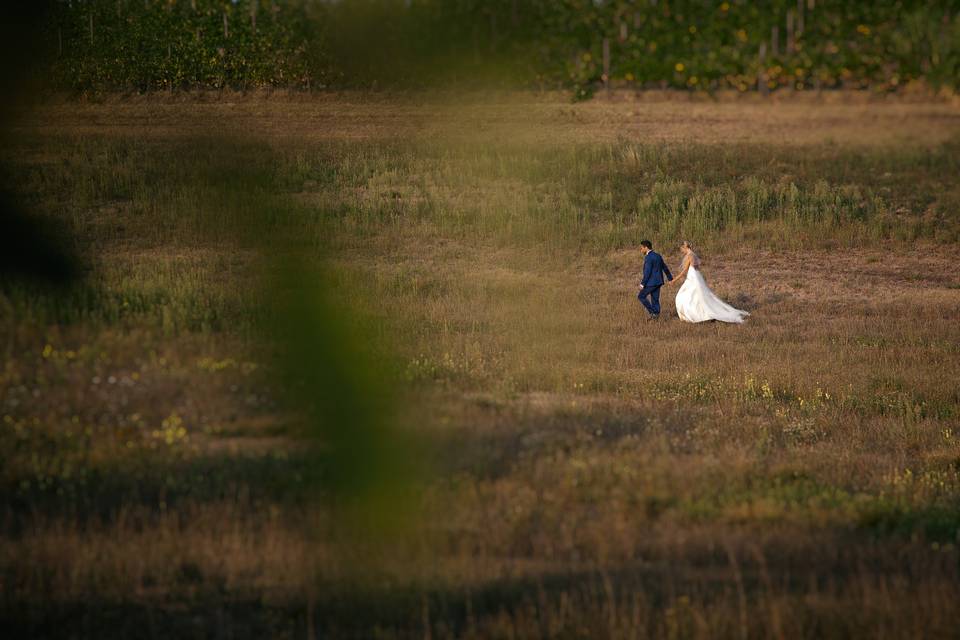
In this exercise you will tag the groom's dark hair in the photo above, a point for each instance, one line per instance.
(646, 243)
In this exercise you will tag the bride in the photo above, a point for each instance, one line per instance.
(695, 301)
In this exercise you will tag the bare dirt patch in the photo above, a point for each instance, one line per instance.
(848, 119)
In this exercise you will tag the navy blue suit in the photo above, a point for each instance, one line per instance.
(654, 269)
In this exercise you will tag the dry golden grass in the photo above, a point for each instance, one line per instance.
(591, 474)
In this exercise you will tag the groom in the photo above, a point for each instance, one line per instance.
(653, 270)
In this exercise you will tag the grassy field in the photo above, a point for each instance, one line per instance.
(565, 469)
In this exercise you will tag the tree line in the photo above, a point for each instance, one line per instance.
(579, 45)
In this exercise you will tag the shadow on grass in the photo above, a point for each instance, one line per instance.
(165, 483)
(151, 482)
(759, 590)
(149, 479)
(490, 452)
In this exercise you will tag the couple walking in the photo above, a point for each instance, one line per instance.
(695, 301)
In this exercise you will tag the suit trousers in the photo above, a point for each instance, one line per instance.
(653, 292)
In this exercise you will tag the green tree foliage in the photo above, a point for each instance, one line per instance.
(101, 44)
(164, 44)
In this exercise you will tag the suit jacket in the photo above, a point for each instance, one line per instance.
(653, 269)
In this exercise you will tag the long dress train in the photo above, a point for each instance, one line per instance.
(697, 303)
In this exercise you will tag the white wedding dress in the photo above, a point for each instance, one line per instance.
(697, 303)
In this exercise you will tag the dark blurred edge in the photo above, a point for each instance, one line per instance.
(30, 248)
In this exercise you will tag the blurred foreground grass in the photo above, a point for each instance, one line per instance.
(589, 474)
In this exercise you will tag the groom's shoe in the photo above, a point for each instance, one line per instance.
(653, 316)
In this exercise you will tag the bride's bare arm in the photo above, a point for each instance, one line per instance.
(683, 269)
